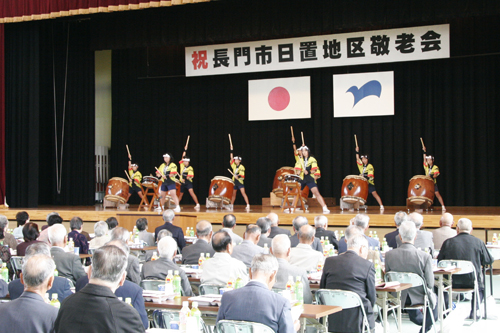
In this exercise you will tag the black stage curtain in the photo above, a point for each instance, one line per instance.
(30, 136)
(451, 103)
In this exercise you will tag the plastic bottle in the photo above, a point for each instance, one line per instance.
(128, 301)
(55, 302)
(239, 283)
(319, 266)
(370, 234)
(289, 283)
(155, 256)
(494, 239)
(4, 273)
(192, 232)
(56, 272)
(183, 315)
(322, 241)
(47, 298)
(195, 313)
(120, 298)
(201, 260)
(378, 271)
(327, 241)
(71, 245)
(230, 283)
(177, 284)
(266, 249)
(169, 279)
(299, 290)
(188, 232)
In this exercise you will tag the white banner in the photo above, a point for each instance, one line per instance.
(356, 48)
(286, 98)
(363, 94)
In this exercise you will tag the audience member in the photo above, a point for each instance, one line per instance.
(222, 266)
(133, 265)
(264, 224)
(5, 237)
(38, 277)
(80, 241)
(424, 238)
(112, 223)
(281, 250)
(444, 232)
(271, 309)
(103, 311)
(128, 289)
(303, 255)
(228, 225)
(464, 246)
(275, 230)
(68, 264)
(362, 221)
(390, 237)
(146, 237)
(177, 234)
(407, 258)
(52, 219)
(247, 249)
(321, 223)
(101, 235)
(22, 218)
(191, 253)
(30, 233)
(298, 222)
(163, 233)
(61, 285)
(352, 272)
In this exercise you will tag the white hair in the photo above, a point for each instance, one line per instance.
(353, 230)
(120, 233)
(320, 221)
(399, 217)
(357, 242)
(447, 219)
(168, 215)
(3, 221)
(408, 231)
(274, 219)
(465, 225)
(299, 221)
(37, 269)
(418, 219)
(100, 228)
(362, 220)
(265, 263)
(167, 246)
(280, 244)
(57, 232)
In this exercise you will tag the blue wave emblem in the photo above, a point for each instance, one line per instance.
(368, 89)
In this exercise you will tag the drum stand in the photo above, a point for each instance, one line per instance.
(349, 206)
(291, 190)
(411, 205)
(148, 193)
(220, 204)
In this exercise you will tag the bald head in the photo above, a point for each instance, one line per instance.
(280, 247)
(252, 233)
(204, 230)
(222, 242)
(274, 219)
(446, 220)
(306, 234)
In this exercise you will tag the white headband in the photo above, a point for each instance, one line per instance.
(237, 158)
(305, 147)
(186, 160)
(300, 148)
(134, 165)
(166, 155)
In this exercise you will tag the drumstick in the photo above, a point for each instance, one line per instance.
(128, 151)
(230, 141)
(356, 139)
(187, 143)
(231, 172)
(293, 138)
(127, 176)
(423, 146)
(302, 134)
(162, 175)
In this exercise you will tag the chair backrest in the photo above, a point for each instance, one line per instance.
(206, 288)
(163, 318)
(234, 326)
(151, 284)
(402, 277)
(17, 262)
(345, 299)
(466, 267)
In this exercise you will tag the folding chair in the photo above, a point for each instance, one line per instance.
(206, 288)
(151, 284)
(234, 326)
(416, 282)
(466, 267)
(162, 319)
(17, 264)
(345, 299)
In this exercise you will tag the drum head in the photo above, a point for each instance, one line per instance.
(223, 178)
(285, 168)
(355, 177)
(119, 179)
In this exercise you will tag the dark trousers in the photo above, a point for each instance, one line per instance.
(417, 317)
(473, 301)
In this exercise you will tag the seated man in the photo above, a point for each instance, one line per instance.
(147, 237)
(390, 237)
(298, 222)
(281, 250)
(362, 221)
(228, 225)
(321, 223)
(424, 240)
(52, 219)
(8, 238)
(351, 271)
(444, 232)
(222, 267)
(30, 313)
(60, 286)
(133, 266)
(264, 224)
(268, 308)
(79, 239)
(129, 289)
(101, 235)
(68, 264)
(464, 246)
(95, 308)
(158, 269)
(177, 233)
(191, 253)
(303, 255)
(248, 248)
(275, 230)
(22, 218)
(407, 258)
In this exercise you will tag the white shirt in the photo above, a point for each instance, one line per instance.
(221, 268)
(305, 257)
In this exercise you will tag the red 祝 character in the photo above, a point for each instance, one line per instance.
(200, 59)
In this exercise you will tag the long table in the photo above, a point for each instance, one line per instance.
(444, 283)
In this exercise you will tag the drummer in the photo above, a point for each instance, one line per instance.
(239, 176)
(187, 174)
(310, 175)
(366, 170)
(168, 172)
(432, 171)
(136, 177)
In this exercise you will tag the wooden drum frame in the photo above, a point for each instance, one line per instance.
(280, 173)
(117, 190)
(354, 189)
(221, 190)
(421, 190)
